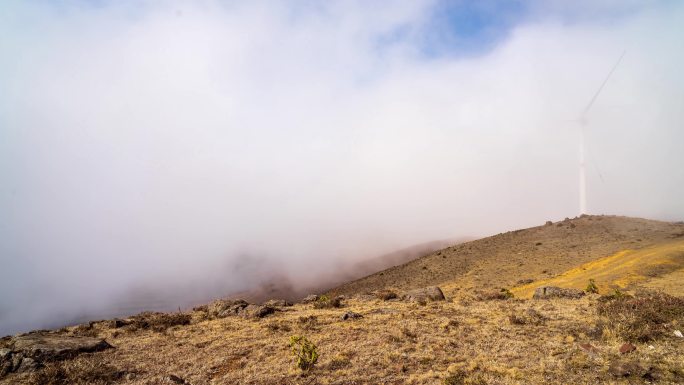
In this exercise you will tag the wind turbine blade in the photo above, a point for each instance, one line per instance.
(593, 99)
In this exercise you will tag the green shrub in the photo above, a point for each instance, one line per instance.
(304, 351)
(591, 287)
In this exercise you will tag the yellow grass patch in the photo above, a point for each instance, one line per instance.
(660, 266)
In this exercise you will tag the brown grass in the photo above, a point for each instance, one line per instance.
(644, 317)
(159, 322)
(76, 372)
(404, 343)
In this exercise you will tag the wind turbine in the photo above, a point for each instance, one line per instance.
(583, 122)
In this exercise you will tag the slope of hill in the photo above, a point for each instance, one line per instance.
(536, 253)
(467, 338)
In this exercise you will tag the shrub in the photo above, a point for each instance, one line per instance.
(502, 294)
(386, 295)
(325, 302)
(278, 327)
(304, 351)
(616, 294)
(641, 318)
(159, 322)
(531, 317)
(591, 287)
(76, 373)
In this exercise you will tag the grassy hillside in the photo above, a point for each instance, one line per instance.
(478, 335)
(624, 270)
(537, 253)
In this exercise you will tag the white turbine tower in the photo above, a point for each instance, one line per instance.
(583, 126)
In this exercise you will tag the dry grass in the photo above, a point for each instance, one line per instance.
(394, 343)
(475, 337)
(76, 372)
(159, 322)
(644, 317)
(624, 269)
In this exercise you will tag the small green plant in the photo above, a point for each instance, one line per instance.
(304, 351)
(591, 287)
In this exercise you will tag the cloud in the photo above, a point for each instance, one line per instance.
(208, 146)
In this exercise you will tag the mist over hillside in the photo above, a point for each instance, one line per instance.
(183, 151)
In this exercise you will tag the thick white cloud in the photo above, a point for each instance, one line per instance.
(166, 145)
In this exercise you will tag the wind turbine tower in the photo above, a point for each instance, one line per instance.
(583, 122)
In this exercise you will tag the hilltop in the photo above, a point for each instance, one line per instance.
(386, 328)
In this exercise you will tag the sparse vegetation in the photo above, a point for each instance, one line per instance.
(501, 294)
(76, 372)
(386, 295)
(159, 322)
(461, 377)
(530, 316)
(304, 351)
(457, 341)
(325, 302)
(591, 287)
(644, 317)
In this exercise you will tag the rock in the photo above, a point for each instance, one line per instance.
(546, 292)
(277, 303)
(117, 323)
(16, 361)
(223, 308)
(28, 365)
(627, 348)
(624, 368)
(525, 281)
(49, 347)
(5, 354)
(432, 293)
(677, 333)
(350, 315)
(548, 223)
(589, 348)
(257, 311)
(5, 361)
(310, 298)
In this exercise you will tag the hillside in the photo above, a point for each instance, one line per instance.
(381, 332)
(536, 253)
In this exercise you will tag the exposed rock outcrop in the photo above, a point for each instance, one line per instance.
(431, 293)
(547, 292)
(28, 352)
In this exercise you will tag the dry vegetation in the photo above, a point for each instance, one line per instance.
(533, 254)
(469, 341)
(482, 334)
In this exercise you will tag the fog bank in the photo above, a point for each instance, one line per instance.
(205, 148)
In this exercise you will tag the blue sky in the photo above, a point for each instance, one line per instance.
(456, 28)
